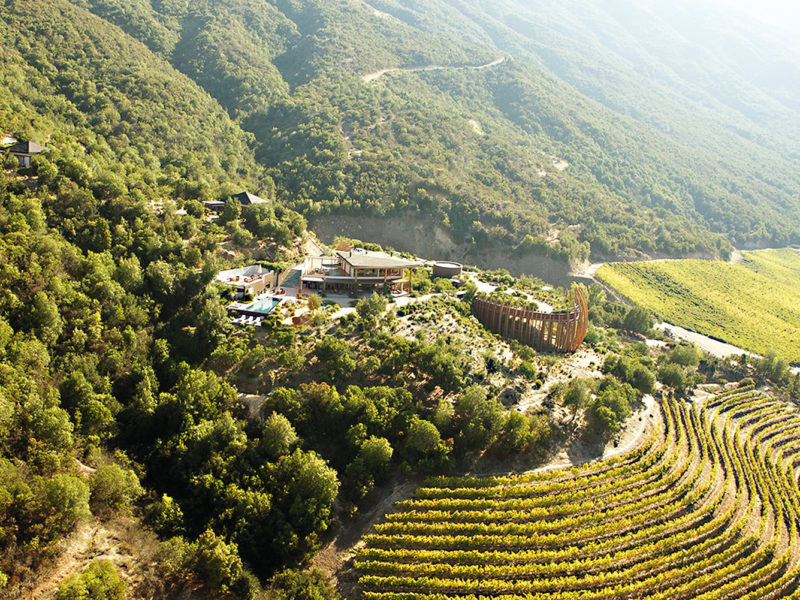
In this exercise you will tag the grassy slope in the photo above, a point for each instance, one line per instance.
(753, 304)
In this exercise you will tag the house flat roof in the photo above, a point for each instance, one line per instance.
(244, 275)
(350, 278)
(375, 260)
(27, 148)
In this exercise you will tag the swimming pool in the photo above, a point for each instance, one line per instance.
(263, 306)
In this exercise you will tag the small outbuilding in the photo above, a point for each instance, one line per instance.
(248, 281)
(25, 151)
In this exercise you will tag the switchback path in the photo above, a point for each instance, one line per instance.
(376, 74)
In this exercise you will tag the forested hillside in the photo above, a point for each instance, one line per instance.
(598, 132)
(538, 128)
(66, 72)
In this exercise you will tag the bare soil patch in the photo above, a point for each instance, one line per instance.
(336, 557)
(123, 541)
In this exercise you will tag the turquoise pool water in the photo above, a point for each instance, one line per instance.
(264, 306)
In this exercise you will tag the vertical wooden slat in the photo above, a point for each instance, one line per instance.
(563, 332)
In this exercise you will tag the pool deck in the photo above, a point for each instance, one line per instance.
(246, 315)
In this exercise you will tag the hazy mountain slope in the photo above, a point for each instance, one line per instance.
(659, 155)
(636, 60)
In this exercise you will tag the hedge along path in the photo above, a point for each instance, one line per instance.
(708, 507)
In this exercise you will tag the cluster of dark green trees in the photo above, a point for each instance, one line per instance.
(107, 318)
(113, 345)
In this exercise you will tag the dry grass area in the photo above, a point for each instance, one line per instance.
(585, 363)
(122, 540)
(439, 319)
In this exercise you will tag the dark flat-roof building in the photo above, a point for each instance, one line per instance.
(214, 206)
(25, 151)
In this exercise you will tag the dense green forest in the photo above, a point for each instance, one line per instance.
(573, 144)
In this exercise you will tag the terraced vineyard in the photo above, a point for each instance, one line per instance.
(706, 508)
(752, 304)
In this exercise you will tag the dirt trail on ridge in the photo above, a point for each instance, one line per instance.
(376, 74)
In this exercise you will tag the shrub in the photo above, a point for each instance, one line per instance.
(335, 356)
(68, 499)
(672, 375)
(528, 370)
(294, 584)
(314, 302)
(278, 436)
(638, 320)
(477, 418)
(166, 516)
(114, 487)
(515, 435)
(376, 453)
(685, 355)
(215, 561)
(642, 379)
(773, 368)
(576, 395)
(611, 407)
(371, 308)
(423, 437)
(98, 581)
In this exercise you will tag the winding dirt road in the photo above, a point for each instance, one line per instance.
(376, 74)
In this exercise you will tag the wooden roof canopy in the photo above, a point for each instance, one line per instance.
(246, 199)
(374, 260)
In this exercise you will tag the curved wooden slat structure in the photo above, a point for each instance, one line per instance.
(549, 332)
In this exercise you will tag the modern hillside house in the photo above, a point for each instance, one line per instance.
(25, 151)
(355, 271)
(244, 281)
(214, 206)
